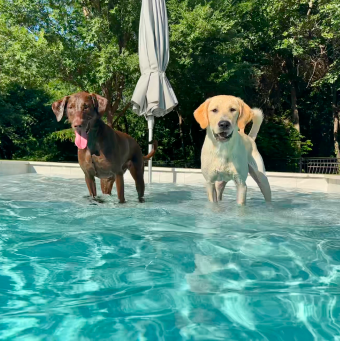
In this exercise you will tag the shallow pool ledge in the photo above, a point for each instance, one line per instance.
(308, 182)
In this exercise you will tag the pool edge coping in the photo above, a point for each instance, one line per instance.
(312, 182)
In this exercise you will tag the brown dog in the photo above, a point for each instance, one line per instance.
(102, 152)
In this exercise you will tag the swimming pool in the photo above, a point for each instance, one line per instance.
(174, 268)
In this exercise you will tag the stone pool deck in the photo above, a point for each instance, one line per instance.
(306, 182)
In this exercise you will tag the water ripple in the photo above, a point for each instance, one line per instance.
(174, 268)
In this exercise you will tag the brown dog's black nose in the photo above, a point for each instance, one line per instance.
(224, 124)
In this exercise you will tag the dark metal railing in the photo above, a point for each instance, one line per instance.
(311, 165)
(324, 165)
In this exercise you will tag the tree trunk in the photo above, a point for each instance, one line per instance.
(108, 94)
(180, 119)
(310, 6)
(112, 106)
(295, 111)
(195, 136)
(126, 124)
(114, 87)
(335, 122)
(110, 114)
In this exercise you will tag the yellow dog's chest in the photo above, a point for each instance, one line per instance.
(218, 169)
(222, 164)
(222, 170)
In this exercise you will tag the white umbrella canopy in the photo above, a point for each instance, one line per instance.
(153, 95)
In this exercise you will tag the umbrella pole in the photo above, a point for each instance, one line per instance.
(151, 123)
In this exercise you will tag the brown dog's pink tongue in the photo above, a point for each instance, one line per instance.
(81, 140)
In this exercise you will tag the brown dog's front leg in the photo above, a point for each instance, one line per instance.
(120, 188)
(91, 185)
(106, 185)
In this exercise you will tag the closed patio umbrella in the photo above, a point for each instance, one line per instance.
(153, 95)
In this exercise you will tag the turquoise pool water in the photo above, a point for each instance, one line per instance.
(174, 268)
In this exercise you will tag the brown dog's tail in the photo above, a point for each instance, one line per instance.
(153, 151)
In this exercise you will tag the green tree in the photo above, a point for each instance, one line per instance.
(279, 55)
(91, 45)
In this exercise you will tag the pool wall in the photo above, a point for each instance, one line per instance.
(307, 182)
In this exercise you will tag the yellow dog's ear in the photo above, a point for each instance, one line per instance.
(245, 116)
(201, 114)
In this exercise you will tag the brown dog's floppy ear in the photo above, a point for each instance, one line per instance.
(99, 103)
(201, 114)
(245, 116)
(58, 108)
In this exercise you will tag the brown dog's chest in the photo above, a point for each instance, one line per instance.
(97, 165)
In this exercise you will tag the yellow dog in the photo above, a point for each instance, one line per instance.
(229, 154)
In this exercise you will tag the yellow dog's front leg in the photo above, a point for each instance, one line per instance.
(211, 190)
(241, 191)
(220, 186)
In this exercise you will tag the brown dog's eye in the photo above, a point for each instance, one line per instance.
(232, 109)
(214, 110)
(86, 106)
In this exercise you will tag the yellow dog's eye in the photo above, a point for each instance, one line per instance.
(232, 109)
(214, 110)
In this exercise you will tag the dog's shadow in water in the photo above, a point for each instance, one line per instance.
(95, 201)
(169, 197)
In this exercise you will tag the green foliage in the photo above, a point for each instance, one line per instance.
(25, 121)
(255, 49)
(279, 140)
(62, 135)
